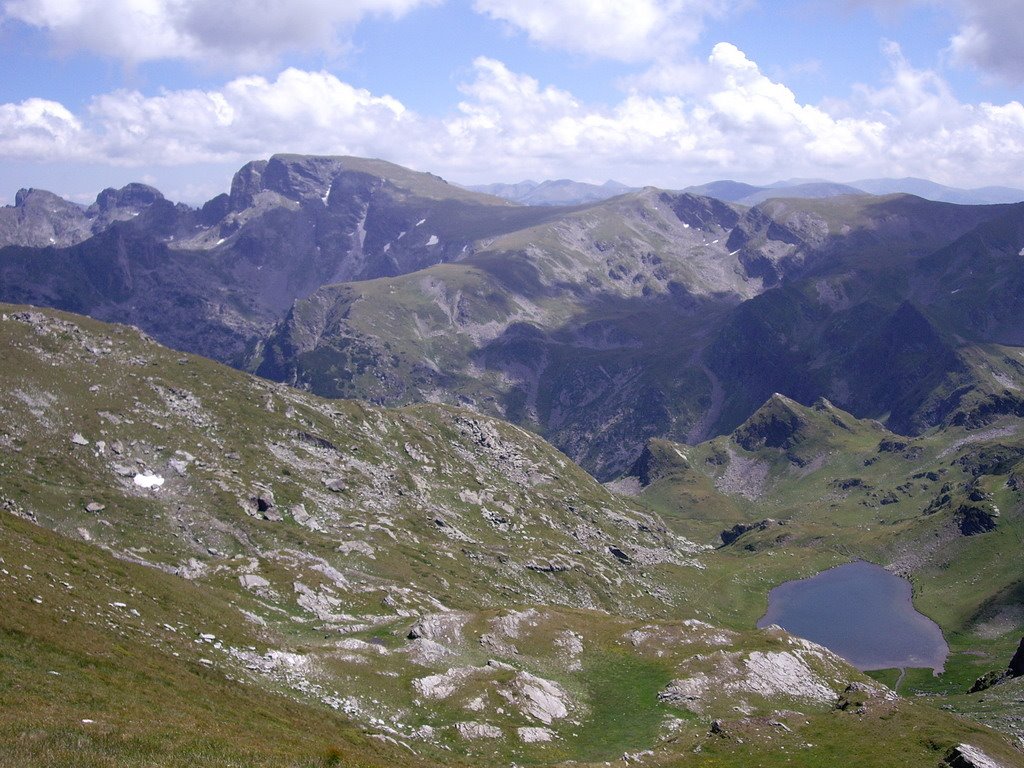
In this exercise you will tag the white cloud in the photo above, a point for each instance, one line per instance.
(992, 37)
(731, 120)
(990, 34)
(38, 127)
(627, 30)
(248, 117)
(243, 34)
(739, 122)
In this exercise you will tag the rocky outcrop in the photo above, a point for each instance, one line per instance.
(974, 519)
(738, 530)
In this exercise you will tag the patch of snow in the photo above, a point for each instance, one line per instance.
(685, 225)
(419, 223)
(327, 194)
(147, 480)
(433, 240)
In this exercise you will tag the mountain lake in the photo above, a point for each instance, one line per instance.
(861, 612)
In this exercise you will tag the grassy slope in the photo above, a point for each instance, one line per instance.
(71, 654)
(114, 664)
(857, 491)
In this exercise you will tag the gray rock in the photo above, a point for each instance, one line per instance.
(1016, 668)
(95, 507)
(967, 756)
(539, 698)
(335, 484)
(252, 581)
(264, 501)
(473, 731)
(78, 439)
(534, 735)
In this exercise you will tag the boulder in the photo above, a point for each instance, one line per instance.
(540, 698)
(967, 756)
(252, 581)
(534, 735)
(1016, 668)
(262, 505)
(473, 731)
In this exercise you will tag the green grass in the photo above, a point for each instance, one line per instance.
(64, 664)
(403, 469)
(624, 713)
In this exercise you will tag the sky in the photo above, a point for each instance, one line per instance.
(180, 93)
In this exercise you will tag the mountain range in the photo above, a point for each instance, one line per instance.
(568, 192)
(565, 453)
(600, 326)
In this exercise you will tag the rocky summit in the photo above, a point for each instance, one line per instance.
(354, 466)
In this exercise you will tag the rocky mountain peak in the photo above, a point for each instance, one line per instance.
(133, 196)
(776, 424)
(302, 177)
(37, 198)
(246, 184)
(39, 219)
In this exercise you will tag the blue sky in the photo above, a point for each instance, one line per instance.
(180, 93)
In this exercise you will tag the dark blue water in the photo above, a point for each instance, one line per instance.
(861, 612)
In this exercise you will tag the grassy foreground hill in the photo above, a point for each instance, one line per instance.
(203, 568)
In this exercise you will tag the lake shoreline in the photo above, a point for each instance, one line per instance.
(861, 612)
